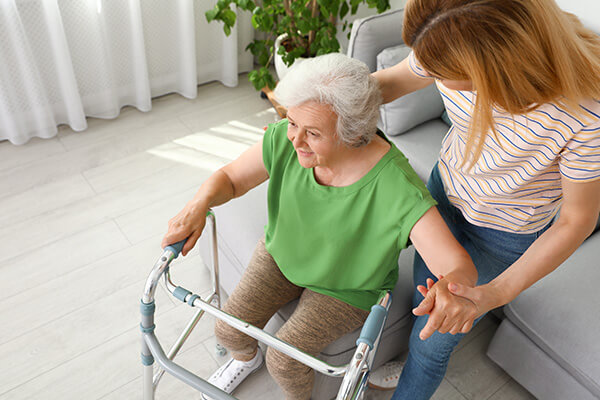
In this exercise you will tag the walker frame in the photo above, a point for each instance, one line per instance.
(355, 373)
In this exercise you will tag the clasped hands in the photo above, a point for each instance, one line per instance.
(452, 307)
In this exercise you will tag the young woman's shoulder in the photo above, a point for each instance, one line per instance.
(586, 114)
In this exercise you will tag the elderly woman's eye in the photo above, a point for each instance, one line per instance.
(313, 134)
(291, 123)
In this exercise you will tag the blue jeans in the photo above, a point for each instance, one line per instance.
(492, 252)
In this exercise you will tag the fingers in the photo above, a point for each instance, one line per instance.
(191, 242)
(425, 306)
(463, 291)
(434, 322)
(183, 226)
(466, 326)
(423, 290)
(430, 283)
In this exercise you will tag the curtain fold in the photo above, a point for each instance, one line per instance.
(63, 60)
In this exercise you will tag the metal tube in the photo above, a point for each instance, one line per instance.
(355, 368)
(272, 341)
(215, 256)
(159, 268)
(181, 340)
(148, 387)
(362, 360)
(385, 301)
(181, 373)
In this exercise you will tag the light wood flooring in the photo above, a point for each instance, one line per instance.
(80, 228)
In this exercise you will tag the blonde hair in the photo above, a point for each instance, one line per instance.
(518, 54)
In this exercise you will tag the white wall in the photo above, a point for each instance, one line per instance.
(587, 10)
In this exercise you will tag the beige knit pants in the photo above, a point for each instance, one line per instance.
(317, 321)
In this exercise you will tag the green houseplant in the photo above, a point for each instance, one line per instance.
(310, 26)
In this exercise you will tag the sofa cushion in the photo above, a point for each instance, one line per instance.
(421, 145)
(529, 365)
(371, 35)
(411, 110)
(560, 315)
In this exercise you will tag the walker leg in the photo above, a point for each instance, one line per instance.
(147, 325)
(148, 386)
(220, 350)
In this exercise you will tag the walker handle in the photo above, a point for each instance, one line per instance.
(176, 248)
(372, 326)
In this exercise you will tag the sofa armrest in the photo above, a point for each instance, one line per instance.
(372, 34)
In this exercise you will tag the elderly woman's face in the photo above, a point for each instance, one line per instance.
(311, 129)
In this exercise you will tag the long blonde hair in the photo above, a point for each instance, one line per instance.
(518, 54)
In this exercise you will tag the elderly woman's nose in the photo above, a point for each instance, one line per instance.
(298, 136)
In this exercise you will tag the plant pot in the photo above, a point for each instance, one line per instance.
(280, 67)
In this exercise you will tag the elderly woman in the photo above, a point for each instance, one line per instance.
(342, 202)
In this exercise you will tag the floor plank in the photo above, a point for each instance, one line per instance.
(472, 373)
(60, 193)
(60, 257)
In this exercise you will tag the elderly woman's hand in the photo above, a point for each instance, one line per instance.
(448, 313)
(188, 223)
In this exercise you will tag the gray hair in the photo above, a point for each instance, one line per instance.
(343, 83)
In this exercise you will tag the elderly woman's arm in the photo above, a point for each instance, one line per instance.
(231, 181)
(450, 262)
(578, 216)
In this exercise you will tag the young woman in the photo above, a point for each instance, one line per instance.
(520, 80)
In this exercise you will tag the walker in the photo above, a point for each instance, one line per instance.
(355, 373)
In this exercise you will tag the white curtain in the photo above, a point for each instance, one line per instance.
(63, 60)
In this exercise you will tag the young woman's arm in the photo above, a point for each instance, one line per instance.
(231, 181)
(450, 262)
(399, 80)
(577, 220)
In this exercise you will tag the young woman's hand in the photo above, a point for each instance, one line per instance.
(448, 313)
(188, 223)
(485, 297)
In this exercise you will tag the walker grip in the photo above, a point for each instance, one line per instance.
(176, 248)
(372, 326)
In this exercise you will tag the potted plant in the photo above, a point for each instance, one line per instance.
(307, 27)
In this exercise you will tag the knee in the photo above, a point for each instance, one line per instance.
(278, 364)
(228, 336)
(434, 351)
(285, 370)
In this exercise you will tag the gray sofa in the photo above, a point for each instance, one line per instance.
(543, 343)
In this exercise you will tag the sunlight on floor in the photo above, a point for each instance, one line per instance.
(224, 142)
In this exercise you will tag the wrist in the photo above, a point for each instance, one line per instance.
(199, 203)
(501, 293)
(468, 278)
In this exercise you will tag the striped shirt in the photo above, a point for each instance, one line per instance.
(515, 185)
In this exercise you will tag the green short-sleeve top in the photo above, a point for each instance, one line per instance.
(343, 242)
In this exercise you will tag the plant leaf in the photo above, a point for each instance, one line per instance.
(344, 10)
(211, 14)
(228, 16)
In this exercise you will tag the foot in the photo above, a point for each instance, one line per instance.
(233, 372)
(386, 377)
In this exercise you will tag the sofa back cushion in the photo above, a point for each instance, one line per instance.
(411, 110)
(371, 35)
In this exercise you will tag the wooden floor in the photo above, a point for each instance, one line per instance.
(82, 219)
